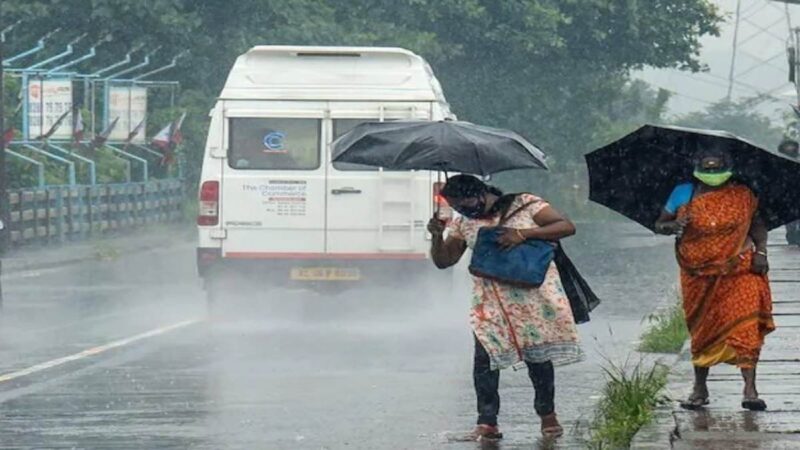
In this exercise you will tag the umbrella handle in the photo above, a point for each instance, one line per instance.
(437, 206)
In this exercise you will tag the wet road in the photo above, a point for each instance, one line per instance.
(120, 355)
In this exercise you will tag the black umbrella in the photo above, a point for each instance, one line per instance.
(449, 146)
(635, 175)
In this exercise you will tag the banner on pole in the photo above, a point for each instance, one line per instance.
(129, 103)
(53, 98)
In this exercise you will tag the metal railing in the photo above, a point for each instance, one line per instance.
(68, 213)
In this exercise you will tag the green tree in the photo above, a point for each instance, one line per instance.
(738, 118)
(551, 69)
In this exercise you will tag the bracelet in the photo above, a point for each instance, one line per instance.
(762, 253)
(521, 236)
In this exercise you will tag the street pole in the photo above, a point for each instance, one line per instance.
(732, 74)
(796, 50)
(4, 213)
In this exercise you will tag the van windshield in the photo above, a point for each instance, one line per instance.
(274, 144)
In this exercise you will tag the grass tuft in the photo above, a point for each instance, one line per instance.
(667, 331)
(629, 398)
(106, 252)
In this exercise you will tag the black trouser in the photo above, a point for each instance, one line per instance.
(487, 383)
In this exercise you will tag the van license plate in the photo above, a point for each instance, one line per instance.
(325, 274)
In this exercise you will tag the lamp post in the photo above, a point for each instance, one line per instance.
(3, 185)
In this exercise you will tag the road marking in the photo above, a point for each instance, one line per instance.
(93, 319)
(29, 273)
(96, 350)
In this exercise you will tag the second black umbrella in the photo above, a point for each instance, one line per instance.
(636, 174)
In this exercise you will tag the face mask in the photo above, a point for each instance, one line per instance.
(713, 179)
(472, 212)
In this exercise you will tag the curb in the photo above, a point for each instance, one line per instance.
(92, 256)
(663, 431)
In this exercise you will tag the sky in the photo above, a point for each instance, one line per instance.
(760, 67)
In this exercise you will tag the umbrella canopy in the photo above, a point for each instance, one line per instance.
(450, 146)
(635, 175)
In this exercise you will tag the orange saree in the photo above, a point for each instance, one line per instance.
(728, 308)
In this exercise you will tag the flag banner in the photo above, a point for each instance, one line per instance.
(162, 139)
(55, 127)
(177, 137)
(134, 134)
(102, 137)
(8, 136)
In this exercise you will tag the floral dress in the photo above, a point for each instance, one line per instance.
(520, 324)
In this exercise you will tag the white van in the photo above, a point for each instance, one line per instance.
(271, 200)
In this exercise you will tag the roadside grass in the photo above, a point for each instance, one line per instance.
(105, 251)
(667, 331)
(628, 400)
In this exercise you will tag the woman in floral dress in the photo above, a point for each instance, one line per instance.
(511, 324)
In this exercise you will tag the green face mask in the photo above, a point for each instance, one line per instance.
(713, 179)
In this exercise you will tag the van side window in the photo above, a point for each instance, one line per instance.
(274, 144)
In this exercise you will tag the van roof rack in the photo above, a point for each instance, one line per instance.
(330, 54)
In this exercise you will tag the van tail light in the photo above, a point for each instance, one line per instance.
(440, 205)
(208, 212)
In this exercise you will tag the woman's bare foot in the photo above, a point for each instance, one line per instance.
(697, 399)
(751, 400)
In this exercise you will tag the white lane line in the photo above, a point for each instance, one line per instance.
(93, 319)
(96, 350)
(33, 273)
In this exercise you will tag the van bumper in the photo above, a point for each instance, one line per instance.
(301, 268)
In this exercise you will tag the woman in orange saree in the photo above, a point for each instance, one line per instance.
(722, 253)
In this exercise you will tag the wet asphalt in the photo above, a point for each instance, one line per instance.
(123, 355)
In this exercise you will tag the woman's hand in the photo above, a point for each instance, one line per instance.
(760, 264)
(673, 227)
(436, 227)
(510, 238)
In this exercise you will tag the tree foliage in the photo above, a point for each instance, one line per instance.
(554, 70)
(737, 118)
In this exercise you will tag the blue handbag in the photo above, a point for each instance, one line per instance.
(523, 266)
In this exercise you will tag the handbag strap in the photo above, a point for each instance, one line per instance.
(506, 217)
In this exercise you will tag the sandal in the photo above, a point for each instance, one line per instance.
(754, 404)
(693, 403)
(551, 429)
(485, 433)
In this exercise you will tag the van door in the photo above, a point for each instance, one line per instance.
(371, 211)
(273, 188)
